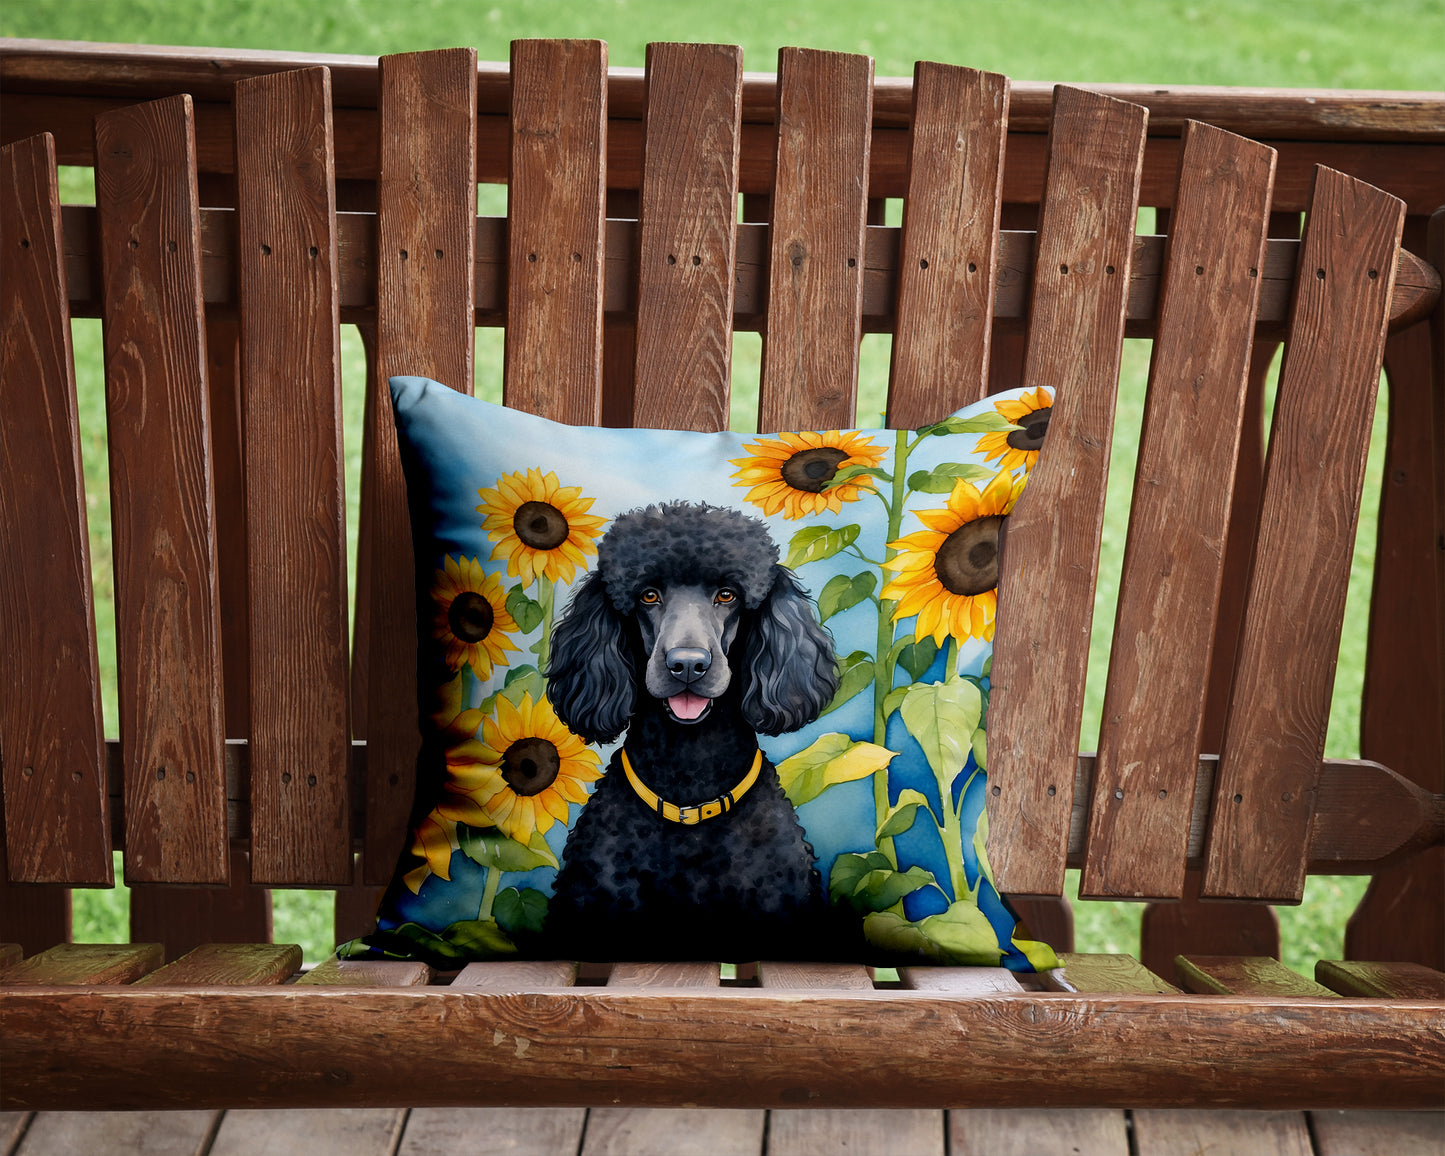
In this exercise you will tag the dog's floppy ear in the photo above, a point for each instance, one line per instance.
(790, 666)
(589, 673)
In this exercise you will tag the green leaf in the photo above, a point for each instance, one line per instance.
(980, 747)
(894, 699)
(478, 939)
(941, 479)
(990, 421)
(526, 683)
(850, 473)
(964, 934)
(525, 612)
(520, 910)
(900, 816)
(881, 889)
(812, 543)
(493, 849)
(1040, 955)
(917, 657)
(849, 869)
(987, 669)
(854, 673)
(894, 934)
(832, 759)
(943, 717)
(842, 592)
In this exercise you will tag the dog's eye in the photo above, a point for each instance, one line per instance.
(650, 597)
(725, 596)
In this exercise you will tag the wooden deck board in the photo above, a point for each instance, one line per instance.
(122, 1133)
(1173, 1131)
(1029, 1131)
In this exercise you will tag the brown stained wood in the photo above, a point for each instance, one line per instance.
(56, 818)
(1275, 732)
(84, 964)
(864, 1132)
(816, 258)
(184, 917)
(687, 236)
(959, 980)
(168, 630)
(642, 975)
(814, 976)
(1153, 715)
(223, 375)
(1191, 926)
(148, 1133)
(1172, 1131)
(325, 1132)
(949, 246)
(10, 953)
(1091, 972)
(292, 1046)
(1081, 276)
(33, 915)
(515, 1131)
(426, 217)
(1031, 1131)
(228, 963)
(1242, 975)
(555, 206)
(674, 1132)
(1382, 980)
(295, 498)
(517, 975)
(1357, 1133)
(1400, 913)
(355, 911)
(367, 973)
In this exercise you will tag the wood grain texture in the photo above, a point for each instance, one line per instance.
(367, 973)
(1170, 1132)
(426, 218)
(959, 980)
(1242, 975)
(642, 975)
(138, 1133)
(816, 242)
(1097, 972)
(1275, 733)
(57, 824)
(322, 1132)
(515, 1131)
(1031, 1131)
(555, 207)
(1076, 331)
(10, 953)
(674, 1132)
(295, 500)
(866, 1132)
(13, 1126)
(1191, 925)
(85, 963)
(947, 267)
(1399, 915)
(33, 915)
(183, 917)
(1153, 715)
(517, 975)
(168, 630)
(814, 976)
(1382, 980)
(228, 963)
(687, 236)
(1355, 1133)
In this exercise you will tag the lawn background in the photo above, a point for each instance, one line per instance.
(1387, 44)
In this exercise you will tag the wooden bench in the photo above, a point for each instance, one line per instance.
(247, 204)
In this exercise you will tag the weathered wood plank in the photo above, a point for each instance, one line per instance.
(816, 259)
(1382, 980)
(814, 976)
(151, 1133)
(183, 918)
(228, 963)
(335, 972)
(1191, 925)
(1355, 1133)
(959, 980)
(426, 218)
(1095, 972)
(1081, 275)
(10, 953)
(687, 236)
(1275, 733)
(57, 823)
(515, 1131)
(866, 1132)
(295, 499)
(1172, 1131)
(555, 207)
(517, 975)
(168, 629)
(1243, 975)
(85, 963)
(1032, 1131)
(1153, 716)
(34, 916)
(12, 1127)
(317, 1132)
(642, 975)
(674, 1132)
(948, 253)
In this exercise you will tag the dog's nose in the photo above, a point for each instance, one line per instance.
(688, 663)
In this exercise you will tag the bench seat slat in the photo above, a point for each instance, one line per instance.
(84, 964)
(1382, 980)
(228, 963)
(335, 972)
(1243, 975)
(56, 818)
(1096, 972)
(814, 976)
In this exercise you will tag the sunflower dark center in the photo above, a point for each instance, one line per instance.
(470, 616)
(811, 470)
(1035, 425)
(530, 766)
(540, 525)
(967, 562)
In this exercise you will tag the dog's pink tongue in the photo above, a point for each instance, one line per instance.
(687, 705)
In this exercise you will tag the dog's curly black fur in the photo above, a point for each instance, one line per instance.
(633, 884)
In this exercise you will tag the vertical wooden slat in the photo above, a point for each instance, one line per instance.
(182, 918)
(426, 220)
(33, 915)
(295, 501)
(815, 263)
(687, 236)
(57, 822)
(946, 269)
(1153, 714)
(1076, 335)
(168, 630)
(1274, 738)
(555, 206)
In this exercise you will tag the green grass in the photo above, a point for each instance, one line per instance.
(1329, 43)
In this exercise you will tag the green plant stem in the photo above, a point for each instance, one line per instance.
(950, 668)
(883, 669)
(489, 893)
(546, 598)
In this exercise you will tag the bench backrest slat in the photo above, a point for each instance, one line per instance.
(1275, 733)
(947, 266)
(295, 501)
(687, 236)
(819, 214)
(168, 639)
(1075, 340)
(56, 815)
(1153, 715)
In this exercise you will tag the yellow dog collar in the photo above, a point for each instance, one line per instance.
(692, 815)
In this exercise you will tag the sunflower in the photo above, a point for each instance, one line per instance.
(541, 528)
(791, 471)
(1019, 447)
(520, 774)
(471, 617)
(435, 840)
(947, 574)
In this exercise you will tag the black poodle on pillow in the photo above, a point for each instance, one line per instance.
(691, 637)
